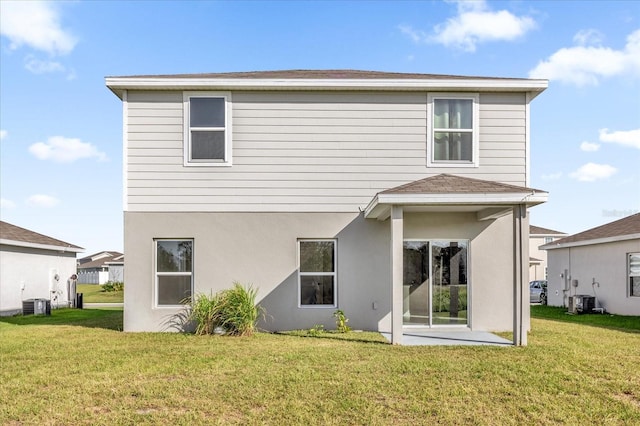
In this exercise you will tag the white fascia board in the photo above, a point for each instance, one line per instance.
(553, 246)
(40, 246)
(381, 201)
(492, 198)
(119, 84)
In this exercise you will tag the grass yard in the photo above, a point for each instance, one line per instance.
(92, 293)
(601, 320)
(54, 373)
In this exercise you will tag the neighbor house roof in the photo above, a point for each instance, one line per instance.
(537, 230)
(98, 260)
(450, 190)
(627, 228)
(16, 236)
(322, 80)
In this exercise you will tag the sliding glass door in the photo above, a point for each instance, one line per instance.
(435, 282)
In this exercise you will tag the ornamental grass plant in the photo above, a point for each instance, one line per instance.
(233, 310)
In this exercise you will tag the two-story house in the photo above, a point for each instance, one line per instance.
(399, 198)
(539, 236)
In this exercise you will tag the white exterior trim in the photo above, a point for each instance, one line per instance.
(125, 151)
(228, 130)
(553, 245)
(527, 138)
(119, 84)
(61, 249)
(475, 130)
(376, 205)
(334, 274)
(156, 274)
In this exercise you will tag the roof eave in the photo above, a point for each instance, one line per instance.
(592, 241)
(119, 84)
(41, 246)
(381, 202)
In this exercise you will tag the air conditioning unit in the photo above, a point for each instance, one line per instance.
(36, 307)
(581, 303)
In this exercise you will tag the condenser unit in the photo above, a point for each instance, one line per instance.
(36, 307)
(581, 303)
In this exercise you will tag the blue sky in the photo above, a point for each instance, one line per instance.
(61, 128)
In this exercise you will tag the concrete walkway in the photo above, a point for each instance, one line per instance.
(450, 337)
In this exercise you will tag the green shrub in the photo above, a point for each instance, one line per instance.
(316, 330)
(111, 286)
(233, 310)
(341, 321)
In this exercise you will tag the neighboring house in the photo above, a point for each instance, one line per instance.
(537, 257)
(94, 269)
(33, 266)
(603, 262)
(116, 269)
(399, 198)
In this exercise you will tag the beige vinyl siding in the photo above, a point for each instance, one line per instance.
(307, 151)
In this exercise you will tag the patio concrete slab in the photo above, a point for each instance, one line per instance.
(450, 337)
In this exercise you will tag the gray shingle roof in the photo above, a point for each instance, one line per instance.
(450, 184)
(629, 225)
(15, 233)
(538, 230)
(88, 263)
(316, 74)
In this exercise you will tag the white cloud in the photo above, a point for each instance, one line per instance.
(6, 204)
(37, 66)
(3, 134)
(589, 146)
(35, 24)
(587, 64)
(474, 24)
(591, 172)
(65, 150)
(627, 138)
(588, 37)
(552, 176)
(42, 200)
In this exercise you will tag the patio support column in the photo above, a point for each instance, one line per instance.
(397, 237)
(520, 273)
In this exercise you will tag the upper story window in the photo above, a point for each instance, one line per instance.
(548, 240)
(452, 130)
(207, 129)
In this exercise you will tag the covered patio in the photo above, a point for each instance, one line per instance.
(479, 201)
(450, 338)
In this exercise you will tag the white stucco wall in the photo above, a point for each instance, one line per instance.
(261, 249)
(605, 263)
(27, 273)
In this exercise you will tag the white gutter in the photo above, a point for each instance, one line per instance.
(40, 246)
(528, 198)
(119, 84)
(553, 246)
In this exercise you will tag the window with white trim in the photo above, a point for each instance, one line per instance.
(452, 123)
(633, 262)
(317, 278)
(174, 272)
(207, 129)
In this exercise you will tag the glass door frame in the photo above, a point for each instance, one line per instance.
(430, 242)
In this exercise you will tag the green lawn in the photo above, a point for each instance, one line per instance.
(601, 320)
(87, 372)
(92, 293)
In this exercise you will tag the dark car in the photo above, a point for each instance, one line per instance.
(538, 292)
